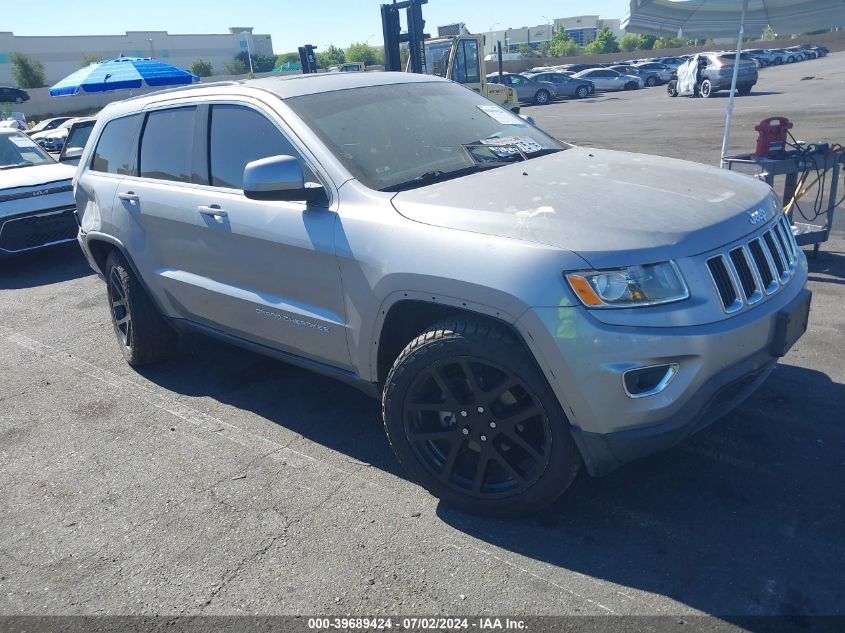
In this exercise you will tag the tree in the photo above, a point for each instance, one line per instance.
(526, 51)
(543, 49)
(89, 58)
(332, 56)
(630, 43)
(201, 68)
(605, 42)
(563, 45)
(235, 67)
(260, 63)
(363, 52)
(646, 42)
(28, 71)
(287, 58)
(667, 42)
(769, 34)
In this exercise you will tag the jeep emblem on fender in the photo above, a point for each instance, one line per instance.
(756, 216)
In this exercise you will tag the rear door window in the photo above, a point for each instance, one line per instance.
(114, 148)
(239, 135)
(167, 144)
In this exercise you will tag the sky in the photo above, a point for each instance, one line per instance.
(291, 24)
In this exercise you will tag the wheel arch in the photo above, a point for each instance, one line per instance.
(405, 314)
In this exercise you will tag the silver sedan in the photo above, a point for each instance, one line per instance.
(527, 90)
(606, 79)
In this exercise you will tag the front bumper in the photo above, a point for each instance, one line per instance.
(37, 229)
(720, 364)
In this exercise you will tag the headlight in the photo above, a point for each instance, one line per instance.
(630, 287)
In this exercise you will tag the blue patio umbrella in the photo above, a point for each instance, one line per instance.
(121, 74)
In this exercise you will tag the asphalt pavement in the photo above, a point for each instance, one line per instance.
(227, 483)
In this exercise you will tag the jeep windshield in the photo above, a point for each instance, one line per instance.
(18, 150)
(401, 136)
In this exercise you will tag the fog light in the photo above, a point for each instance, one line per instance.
(648, 381)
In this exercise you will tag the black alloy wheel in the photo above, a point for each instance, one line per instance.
(477, 428)
(121, 314)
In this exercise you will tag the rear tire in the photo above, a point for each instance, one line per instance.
(744, 91)
(473, 420)
(651, 82)
(542, 97)
(144, 336)
(672, 88)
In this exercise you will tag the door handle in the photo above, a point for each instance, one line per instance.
(129, 197)
(213, 211)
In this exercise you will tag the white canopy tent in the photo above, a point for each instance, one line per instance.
(723, 18)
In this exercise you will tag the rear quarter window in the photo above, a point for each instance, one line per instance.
(114, 147)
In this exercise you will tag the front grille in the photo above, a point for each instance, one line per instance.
(33, 231)
(724, 284)
(761, 266)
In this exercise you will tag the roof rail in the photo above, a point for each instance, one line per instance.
(230, 82)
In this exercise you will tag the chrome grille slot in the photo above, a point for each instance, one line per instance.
(775, 254)
(781, 242)
(743, 270)
(789, 237)
(761, 266)
(767, 277)
(728, 291)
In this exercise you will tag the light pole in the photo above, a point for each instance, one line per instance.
(551, 27)
(492, 43)
(152, 50)
(248, 51)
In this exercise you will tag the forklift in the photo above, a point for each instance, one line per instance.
(459, 58)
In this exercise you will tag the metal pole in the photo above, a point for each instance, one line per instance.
(248, 53)
(726, 141)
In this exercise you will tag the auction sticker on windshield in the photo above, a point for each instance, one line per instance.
(513, 144)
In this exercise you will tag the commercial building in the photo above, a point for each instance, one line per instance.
(583, 30)
(62, 55)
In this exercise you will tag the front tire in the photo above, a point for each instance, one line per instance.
(651, 82)
(144, 336)
(706, 89)
(542, 97)
(744, 91)
(583, 92)
(471, 417)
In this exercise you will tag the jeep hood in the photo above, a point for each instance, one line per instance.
(611, 208)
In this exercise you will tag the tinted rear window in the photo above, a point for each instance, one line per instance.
(113, 151)
(167, 144)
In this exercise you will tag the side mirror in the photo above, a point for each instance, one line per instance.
(528, 119)
(70, 153)
(279, 178)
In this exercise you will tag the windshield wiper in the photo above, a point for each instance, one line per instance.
(14, 165)
(431, 177)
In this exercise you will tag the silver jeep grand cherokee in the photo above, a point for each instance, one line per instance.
(521, 306)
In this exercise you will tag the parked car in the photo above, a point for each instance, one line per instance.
(527, 90)
(650, 78)
(800, 53)
(605, 79)
(565, 85)
(716, 73)
(577, 68)
(47, 124)
(549, 314)
(53, 140)
(8, 94)
(672, 62)
(37, 209)
(662, 70)
(77, 137)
